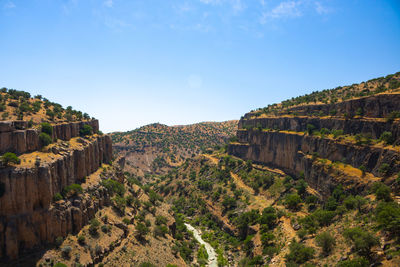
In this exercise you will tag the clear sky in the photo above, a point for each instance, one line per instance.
(130, 62)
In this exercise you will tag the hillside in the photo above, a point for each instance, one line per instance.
(65, 202)
(343, 145)
(257, 216)
(155, 148)
(20, 105)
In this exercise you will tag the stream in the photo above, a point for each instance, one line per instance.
(212, 256)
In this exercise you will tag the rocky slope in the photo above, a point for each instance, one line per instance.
(156, 148)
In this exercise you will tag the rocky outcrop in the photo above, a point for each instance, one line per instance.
(15, 136)
(349, 126)
(291, 153)
(377, 106)
(27, 216)
(281, 141)
(280, 149)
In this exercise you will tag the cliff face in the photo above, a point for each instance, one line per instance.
(15, 136)
(375, 127)
(377, 106)
(27, 216)
(281, 141)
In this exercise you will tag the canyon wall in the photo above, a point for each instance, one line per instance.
(282, 142)
(17, 137)
(377, 106)
(28, 215)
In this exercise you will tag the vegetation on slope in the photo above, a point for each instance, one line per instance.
(20, 105)
(256, 216)
(387, 84)
(156, 147)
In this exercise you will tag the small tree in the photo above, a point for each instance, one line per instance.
(381, 191)
(94, 227)
(45, 139)
(384, 169)
(362, 240)
(299, 253)
(47, 128)
(310, 128)
(293, 201)
(326, 242)
(8, 158)
(141, 230)
(86, 130)
(387, 137)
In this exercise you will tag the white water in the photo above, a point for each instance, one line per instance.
(212, 256)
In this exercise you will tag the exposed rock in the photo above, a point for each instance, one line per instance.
(28, 216)
(16, 137)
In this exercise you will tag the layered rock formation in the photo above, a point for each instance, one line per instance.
(283, 142)
(28, 217)
(17, 137)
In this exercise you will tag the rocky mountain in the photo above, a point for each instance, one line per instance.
(156, 148)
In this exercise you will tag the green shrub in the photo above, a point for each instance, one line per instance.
(299, 253)
(326, 242)
(160, 230)
(119, 203)
(356, 202)
(337, 133)
(356, 262)
(60, 264)
(94, 226)
(66, 251)
(384, 169)
(331, 204)
(362, 240)
(10, 157)
(381, 191)
(161, 220)
(72, 190)
(310, 128)
(388, 217)
(269, 217)
(45, 139)
(387, 137)
(47, 128)
(86, 130)
(141, 230)
(126, 221)
(363, 169)
(114, 186)
(81, 239)
(293, 201)
(57, 197)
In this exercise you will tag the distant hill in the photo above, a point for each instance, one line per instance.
(155, 148)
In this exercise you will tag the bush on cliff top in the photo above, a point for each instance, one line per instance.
(47, 128)
(72, 190)
(10, 157)
(86, 130)
(45, 139)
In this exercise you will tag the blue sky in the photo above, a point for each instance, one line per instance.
(130, 63)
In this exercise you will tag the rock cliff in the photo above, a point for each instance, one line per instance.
(17, 137)
(28, 215)
(287, 143)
